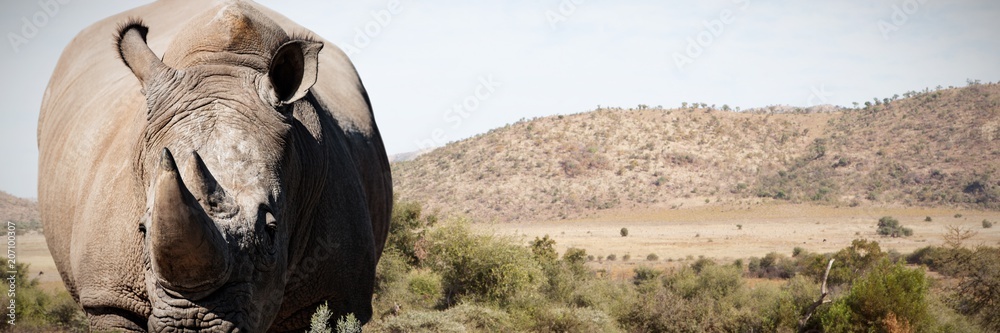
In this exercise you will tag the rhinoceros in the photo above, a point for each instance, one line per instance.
(234, 183)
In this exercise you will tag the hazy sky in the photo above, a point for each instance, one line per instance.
(439, 71)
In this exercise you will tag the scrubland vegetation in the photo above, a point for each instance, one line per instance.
(438, 276)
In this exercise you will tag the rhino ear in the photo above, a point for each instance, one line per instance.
(293, 70)
(132, 49)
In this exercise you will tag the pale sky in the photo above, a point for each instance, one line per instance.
(440, 71)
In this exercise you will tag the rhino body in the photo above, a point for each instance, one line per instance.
(234, 185)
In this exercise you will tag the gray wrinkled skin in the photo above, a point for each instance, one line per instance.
(233, 186)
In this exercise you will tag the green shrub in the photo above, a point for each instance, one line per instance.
(652, 257)
(575, 256)
(563, 319)
(851, 262)
(611, 257)
(478, 267)
(626, 257)
(624, 232)
(889, 226)
(645, 275)
(38, 309)
(425, 286)
(406, 228)
(888, 295)
(987, 224)
(544, 249)
(701, 263)
(928, 219)
(609, 296)
(713, 281)
(773, 266)
(978, 287)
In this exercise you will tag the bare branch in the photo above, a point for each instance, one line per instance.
(822, 298)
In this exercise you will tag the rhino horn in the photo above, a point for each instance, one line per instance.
(187, 251)
(201, 182)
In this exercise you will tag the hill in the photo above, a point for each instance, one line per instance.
(23, 212)
(929, 148)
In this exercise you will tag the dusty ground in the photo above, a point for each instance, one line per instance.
(712, 231)
(31, 249)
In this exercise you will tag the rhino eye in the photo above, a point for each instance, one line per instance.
(271, 227)
(270, 223)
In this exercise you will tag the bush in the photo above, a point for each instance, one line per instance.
(406, 228)
(626, 257)
(773, 266)
(890, 295)
(482, 268)
(701, 263)
(575, 256)
(544, 249)
(714, 281)
(645, 274)
(39, 309)
(889, 226)
(563, 319)
(422, 322)
(851, 262)
(624, 232)
(928, 219)
(426, 286)
(978, 287)
(987, 224)
(652, 257)
(611, 257)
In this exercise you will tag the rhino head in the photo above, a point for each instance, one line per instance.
(218, 161)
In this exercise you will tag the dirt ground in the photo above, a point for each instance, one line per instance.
(31, 249)
(714, 231)
(679, 235)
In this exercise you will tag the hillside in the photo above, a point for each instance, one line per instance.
(932, 148)
(23, 212)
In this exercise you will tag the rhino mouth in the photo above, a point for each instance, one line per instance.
(228, 309)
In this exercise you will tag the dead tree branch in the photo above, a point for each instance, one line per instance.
(822, 299)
